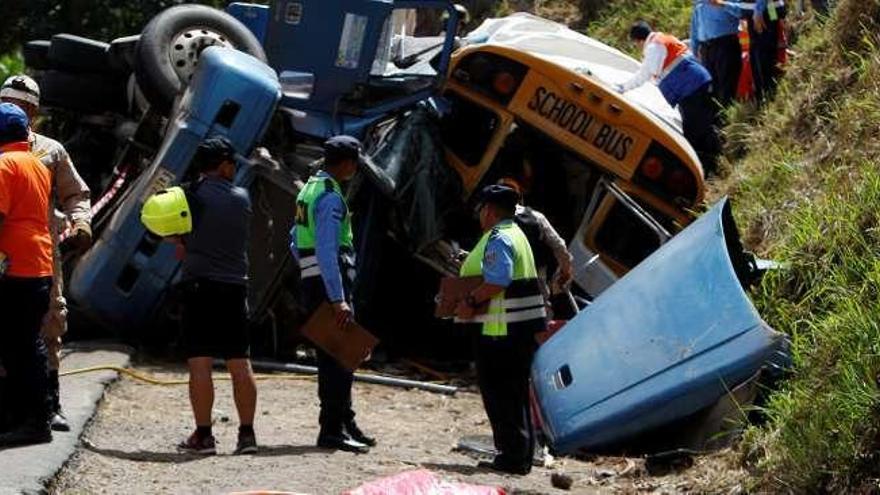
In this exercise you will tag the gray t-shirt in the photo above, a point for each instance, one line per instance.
(218, 245)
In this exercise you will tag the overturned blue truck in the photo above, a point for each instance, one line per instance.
(666, 330)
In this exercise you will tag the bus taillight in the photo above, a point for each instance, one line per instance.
(491, 75)
(652, 168)
(504, 83)
(665, 175)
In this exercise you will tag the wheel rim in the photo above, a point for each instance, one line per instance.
(187, 47)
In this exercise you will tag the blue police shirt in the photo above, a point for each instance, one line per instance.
(709, 22)
(498, 259)
(329, 212)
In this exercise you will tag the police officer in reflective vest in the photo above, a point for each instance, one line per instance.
(321, 241)
(684, 83)
(505, 334)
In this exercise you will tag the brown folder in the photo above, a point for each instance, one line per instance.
(350, 346)
(453, 290)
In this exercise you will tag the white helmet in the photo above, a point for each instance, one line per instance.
(21, 87)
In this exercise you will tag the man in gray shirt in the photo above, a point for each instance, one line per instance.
(215, 271)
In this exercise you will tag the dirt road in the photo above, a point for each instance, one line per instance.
(130, 446)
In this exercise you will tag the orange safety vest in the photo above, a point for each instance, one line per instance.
(675, 50)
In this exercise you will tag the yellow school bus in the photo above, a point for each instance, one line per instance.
(612, 172)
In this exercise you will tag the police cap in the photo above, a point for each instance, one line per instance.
(339, 148)
(503, 196)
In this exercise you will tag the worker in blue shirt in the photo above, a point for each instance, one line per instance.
(715, 42)
(322, 243)
(505, 334)
(764, 18)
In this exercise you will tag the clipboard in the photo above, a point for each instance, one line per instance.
(452, 291)
(350, 346)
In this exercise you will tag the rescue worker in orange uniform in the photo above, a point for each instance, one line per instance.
(25, 278)
(684, 83)
(70, 210)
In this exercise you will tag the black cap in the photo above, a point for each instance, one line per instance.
(214, 151)
(342, 147)
(640, 31)
(502, 196)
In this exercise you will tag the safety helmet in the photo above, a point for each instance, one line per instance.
(21, 87)
(167, 213)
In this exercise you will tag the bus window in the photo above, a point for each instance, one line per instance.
(620, 229)
(468, 129)
(624, 237)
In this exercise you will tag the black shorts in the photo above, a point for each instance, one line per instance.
(215, 320)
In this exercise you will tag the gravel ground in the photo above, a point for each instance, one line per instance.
(130, 446)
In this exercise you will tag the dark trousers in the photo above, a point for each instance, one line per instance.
(699, 117)
(763, 54)
(334, 381)
(503, 368)
(722, 57)
(23, 302)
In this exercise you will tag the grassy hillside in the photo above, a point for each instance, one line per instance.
(808, 192)
(805, 185)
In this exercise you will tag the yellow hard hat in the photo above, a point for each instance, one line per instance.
(167, 213)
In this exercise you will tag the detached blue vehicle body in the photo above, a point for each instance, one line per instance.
(121, 280)
(666, 341)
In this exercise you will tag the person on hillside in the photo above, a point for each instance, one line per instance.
(26, 269)
(765, 20)
(684, 83)
(71, 207)
(715, 42)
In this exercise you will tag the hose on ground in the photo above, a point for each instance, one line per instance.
(156, 381)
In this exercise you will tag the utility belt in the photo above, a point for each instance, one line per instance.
(308, 263)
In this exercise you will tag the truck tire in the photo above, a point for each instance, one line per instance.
(121, 54)
(170, 44)
(36, 54)
(77, 54)
(82, 93)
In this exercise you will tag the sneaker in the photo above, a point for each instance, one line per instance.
(247, 444)
(196, 445)
(59, 422)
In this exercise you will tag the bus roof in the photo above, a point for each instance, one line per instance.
(579, 53)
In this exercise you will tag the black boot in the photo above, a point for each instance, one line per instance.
(57, 421)
(356, 434)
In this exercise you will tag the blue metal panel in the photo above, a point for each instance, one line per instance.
(122, 278)
(306, 36)
(252, 15)
(665, 341)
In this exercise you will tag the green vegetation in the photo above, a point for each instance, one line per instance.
(10, 64)
(808, 192)
(614, 20)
